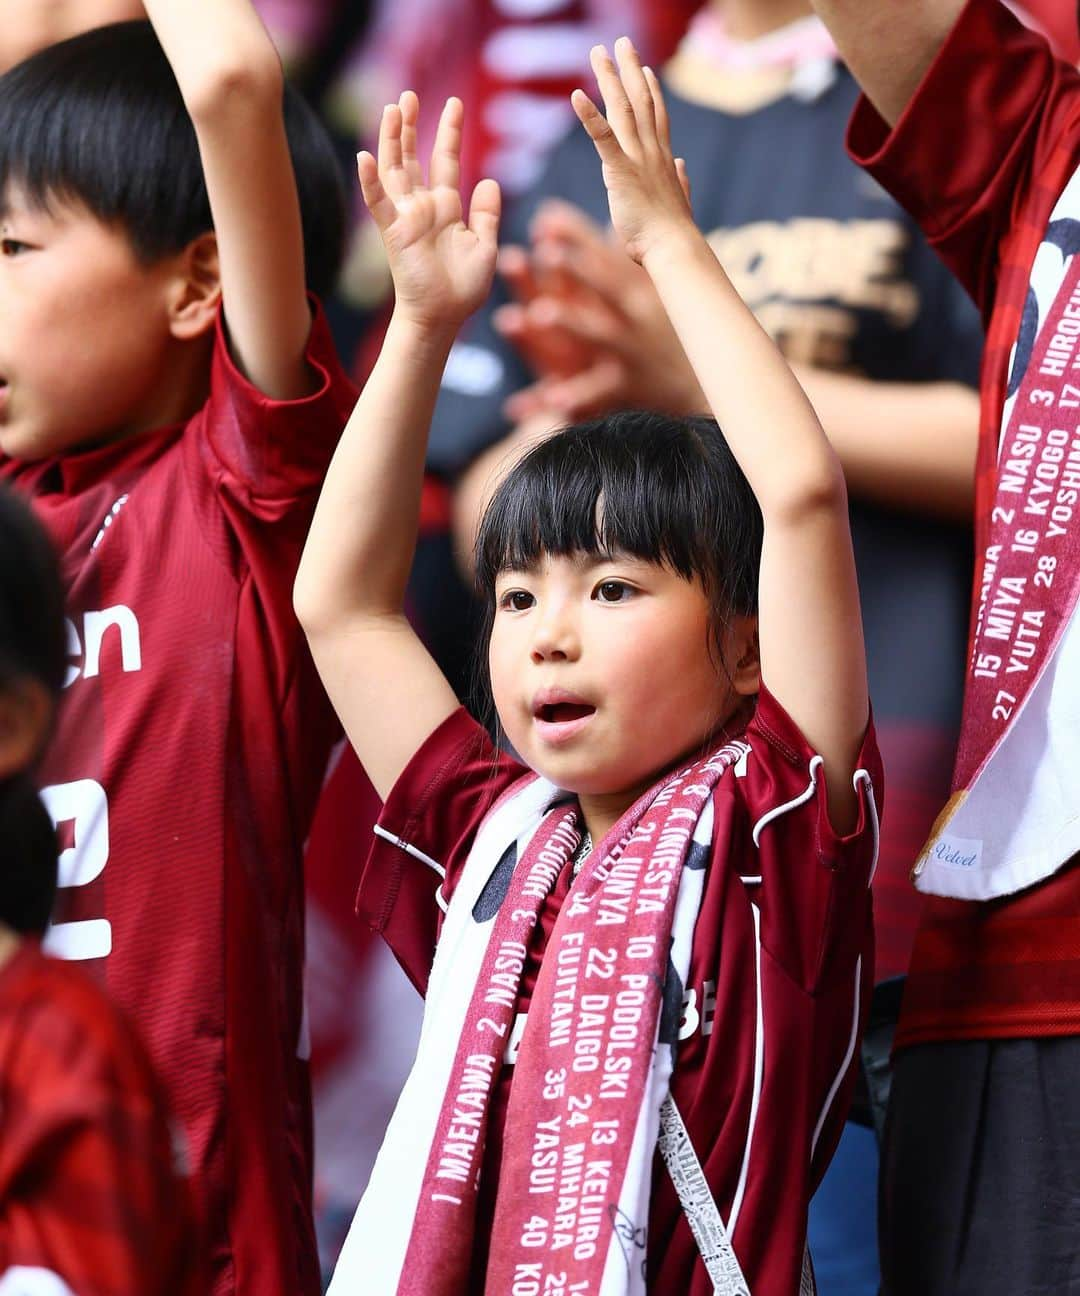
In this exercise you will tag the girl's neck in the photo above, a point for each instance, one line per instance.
(748, 20)
(601, 813)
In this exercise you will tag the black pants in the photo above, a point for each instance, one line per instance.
(980, 1173)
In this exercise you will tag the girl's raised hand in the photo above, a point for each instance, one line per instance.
(648, 191)
(442, 267)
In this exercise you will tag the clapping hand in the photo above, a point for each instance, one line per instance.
(590, 324)
(442, 267)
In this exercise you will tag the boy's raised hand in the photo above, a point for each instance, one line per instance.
(442, 267)
(648, 191)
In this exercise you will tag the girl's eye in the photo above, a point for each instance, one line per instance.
(10, 247)
(516, 600)
(612, 591)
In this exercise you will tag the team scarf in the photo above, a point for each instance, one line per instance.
(591, 1078)
(1015, 733)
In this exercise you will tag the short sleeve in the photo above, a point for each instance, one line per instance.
(424, 834)
(812, 885)
(268, 453)
(985, 119)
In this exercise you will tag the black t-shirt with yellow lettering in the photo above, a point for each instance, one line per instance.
(840, 276)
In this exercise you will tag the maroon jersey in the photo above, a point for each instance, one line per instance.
(192, 742)
(994, 193)
(90, 1201)
(781, 965)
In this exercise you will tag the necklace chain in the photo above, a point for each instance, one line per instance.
(584, 850)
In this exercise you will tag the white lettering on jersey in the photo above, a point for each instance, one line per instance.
(85, 806)
(94, 628)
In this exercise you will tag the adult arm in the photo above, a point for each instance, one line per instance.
(908, 446)
(231, 79)
(889, 44)
(350, 589)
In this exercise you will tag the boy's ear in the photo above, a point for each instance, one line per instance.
(26, 709)
(746, 664)
(195, 291)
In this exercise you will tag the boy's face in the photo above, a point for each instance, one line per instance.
(84, 332)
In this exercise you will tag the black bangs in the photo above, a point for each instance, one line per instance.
(99, 120)
(663, 489)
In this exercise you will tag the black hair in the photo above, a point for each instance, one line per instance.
(99, 119)
(32, 646)
(660, 488)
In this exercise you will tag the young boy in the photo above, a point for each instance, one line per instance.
(90, 1198)
(170, 405)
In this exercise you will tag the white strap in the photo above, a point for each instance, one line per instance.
(698, 1204)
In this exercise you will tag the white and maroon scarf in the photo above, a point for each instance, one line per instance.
(590, 1079)
(1012, 819)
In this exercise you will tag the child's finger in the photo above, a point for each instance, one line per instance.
(390, 167)
(446, 151)
(660, 112)
(636, 88)
(684, 178)
(376, 199)
(597, 126)
(484, 209)
(617, 108)
(410, 113)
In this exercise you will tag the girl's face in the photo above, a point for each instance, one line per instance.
(602, 674)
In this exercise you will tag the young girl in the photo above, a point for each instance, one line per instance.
(658, 936)
(90, 1199)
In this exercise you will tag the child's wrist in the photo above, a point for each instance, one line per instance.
(672, 242)
(425, 327)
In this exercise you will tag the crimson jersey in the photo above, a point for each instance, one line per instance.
(781, 966)
(985, 191)
(191, 746)
(90, 1201)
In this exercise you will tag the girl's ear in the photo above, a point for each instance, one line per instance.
(26, 709)
(746, 663)
(195, 289)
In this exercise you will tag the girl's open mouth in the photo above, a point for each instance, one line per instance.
(563, 712)
(559, 719)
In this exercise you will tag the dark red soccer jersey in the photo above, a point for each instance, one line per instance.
(192, 742)
(794, 911)
(89, 1194)
(984, 191)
